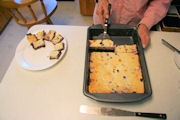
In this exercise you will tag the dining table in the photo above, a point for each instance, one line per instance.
(56, 93)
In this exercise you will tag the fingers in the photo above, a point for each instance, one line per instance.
(99, 12)
(102, 10)
(106, 12)
(144, 35)
(145, 41)
(101, 19)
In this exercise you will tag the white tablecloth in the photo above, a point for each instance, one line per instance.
(56, 93)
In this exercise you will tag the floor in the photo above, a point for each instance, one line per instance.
(67, 13)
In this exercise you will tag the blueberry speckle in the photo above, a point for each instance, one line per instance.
(107, 54)
(113, 89)
(138, 69)
(110, 82)
(141, 80)
(122, 91)
(117, 70)
(91, 61)
(92, 67)
(124, 77)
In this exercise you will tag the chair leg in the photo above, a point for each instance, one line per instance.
(48, 21)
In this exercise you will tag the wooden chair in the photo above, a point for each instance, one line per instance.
(30, 12)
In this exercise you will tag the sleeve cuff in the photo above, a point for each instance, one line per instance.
(147, 21)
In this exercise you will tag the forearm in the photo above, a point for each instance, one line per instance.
(156, 10)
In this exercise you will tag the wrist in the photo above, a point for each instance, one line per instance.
(142, 25)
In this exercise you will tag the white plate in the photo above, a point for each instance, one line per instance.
(32, 59)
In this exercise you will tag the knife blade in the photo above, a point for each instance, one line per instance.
(170, 46)
(117, 112)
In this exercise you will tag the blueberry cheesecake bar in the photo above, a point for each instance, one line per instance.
(58, 38)
(50, 35)
(38, 44)
(54, 54)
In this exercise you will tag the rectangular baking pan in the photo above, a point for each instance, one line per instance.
(121, 35)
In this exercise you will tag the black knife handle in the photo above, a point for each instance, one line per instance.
(109, 9)
(151, 115)
(107, 19)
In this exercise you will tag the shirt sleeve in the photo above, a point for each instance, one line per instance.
(156, 11)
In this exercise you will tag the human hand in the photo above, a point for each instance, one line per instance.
(144, 35)
(102, 10)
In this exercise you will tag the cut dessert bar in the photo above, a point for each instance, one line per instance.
(40, 35)
(31, 38)
(54, 54)
(126, 49)
(50, 35)
(59, 46)
(58, 38)
(101, 43)
(38, 44)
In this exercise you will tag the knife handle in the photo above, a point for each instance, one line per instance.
(151, 115)
(107, 19)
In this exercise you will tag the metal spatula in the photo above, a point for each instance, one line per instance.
(118, 112)
(104, 35)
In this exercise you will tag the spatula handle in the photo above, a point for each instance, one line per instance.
(151, 115)
(109, 8)
(107, 19)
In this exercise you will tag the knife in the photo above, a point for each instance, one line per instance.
(118, 112)
(170, 46)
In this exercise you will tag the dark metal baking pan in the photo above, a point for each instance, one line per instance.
(121, 35)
